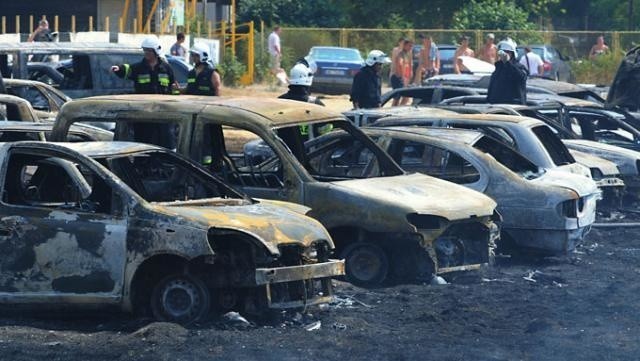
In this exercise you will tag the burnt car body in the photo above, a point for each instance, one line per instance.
(384, 222)
(528, 136)
(45, 99)
(136, 226)
(336, 68)
(612, 134)
(541, 211)
(16, 109)
(13, 131)
(86, 67)
(363, 117)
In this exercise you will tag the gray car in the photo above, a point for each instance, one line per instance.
(541, 210)
(555, 64)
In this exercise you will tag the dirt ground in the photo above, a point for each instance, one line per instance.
(581, 307)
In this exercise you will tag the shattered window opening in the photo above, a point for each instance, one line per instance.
(55, 182)
(508, 157)
(557, 150)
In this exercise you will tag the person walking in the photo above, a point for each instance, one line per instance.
(275, 54)
(152, 75)
(508, 82)
(177, 49)
(429, 64)
(367, 83)
(533, 62)
(598, 48)
(489, 52)
(204, 78)
(463, 50)
(402, 71)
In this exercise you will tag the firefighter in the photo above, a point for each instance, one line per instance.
(152, 75)
(204, 78)
(300, 80)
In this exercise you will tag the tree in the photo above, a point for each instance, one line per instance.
(492, 15)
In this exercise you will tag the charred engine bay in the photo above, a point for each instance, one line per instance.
(581, 307)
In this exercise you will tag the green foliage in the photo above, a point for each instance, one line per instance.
(599, 71)
(231, 69)
(492, 14)
(317, 13)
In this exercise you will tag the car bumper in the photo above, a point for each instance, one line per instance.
(548, 241)
(299, 286)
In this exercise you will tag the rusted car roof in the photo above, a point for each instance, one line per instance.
(92, 149)
(457, 135)
(272, 112)
(53, 47)
(516, 119)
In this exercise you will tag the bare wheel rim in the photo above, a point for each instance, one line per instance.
(181, 299)
(365, 264)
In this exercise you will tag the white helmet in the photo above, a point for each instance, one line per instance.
(300, 74)
(151, 42)
(201, 50)
(507, 45)
(312, 64)
(376, 56)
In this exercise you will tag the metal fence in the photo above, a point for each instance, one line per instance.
(574, 44)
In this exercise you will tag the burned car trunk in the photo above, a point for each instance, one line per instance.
(384, 222)
(138, 227)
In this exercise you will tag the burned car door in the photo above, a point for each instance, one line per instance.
(244, 159)
(62, 230)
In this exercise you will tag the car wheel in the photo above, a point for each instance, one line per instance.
(366, 264)
(450, 252)
(180, 298)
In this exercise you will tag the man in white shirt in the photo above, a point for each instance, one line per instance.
(275, 54)
(533, 62)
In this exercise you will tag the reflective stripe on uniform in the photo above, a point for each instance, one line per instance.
(204, 88)
(163, 79)
(191, 80)
(144, 78)
(127, 71)
(304, 130)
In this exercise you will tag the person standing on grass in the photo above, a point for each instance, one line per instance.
(275, 54)
(598, 48)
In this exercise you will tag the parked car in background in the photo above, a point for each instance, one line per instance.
(446, 57)
(85, 67)
(336, 68)
(555, 65)
(482, 163)
(45, 100)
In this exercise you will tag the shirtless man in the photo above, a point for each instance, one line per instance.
(489, 52)
(429, 59)
(599, 48)
(401, 71)
(463, 50)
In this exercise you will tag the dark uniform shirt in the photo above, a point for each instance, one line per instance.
(147, 80)
(365, 89)
(200, 84)
(508, 83)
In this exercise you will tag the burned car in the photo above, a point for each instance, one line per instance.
(16, 109)
(388, 225)
(45, 99)
(13, 131)
(542, 211)
(139, 227)
(528, 136)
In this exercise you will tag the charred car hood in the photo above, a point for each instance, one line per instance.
(272, 224)
(606, 167)
(625, 159)
(581, 185)
(418, 193)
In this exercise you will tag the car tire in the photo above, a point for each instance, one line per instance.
(180, 298)
(366, 264)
